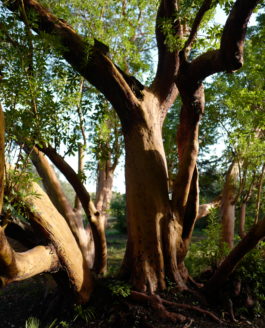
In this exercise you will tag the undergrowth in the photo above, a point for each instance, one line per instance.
(246, 285)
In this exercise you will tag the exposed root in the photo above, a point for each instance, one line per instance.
(195, 283)
(159, 303)
(194, 308)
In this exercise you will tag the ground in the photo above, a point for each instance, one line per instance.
(109, 307)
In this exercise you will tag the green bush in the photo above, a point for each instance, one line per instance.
(207, 253)
(251, 273)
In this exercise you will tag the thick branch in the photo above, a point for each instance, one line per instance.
(230, 55)
(187, 139)
(206, 5)
(191, 210)
(97, 224)
(59, 200)
(91, 61)
(163, 85)
(19, 266)
(205, 209)
(54, 227)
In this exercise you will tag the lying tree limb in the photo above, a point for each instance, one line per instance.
(158, 303)
(16, 266)
(55, 228)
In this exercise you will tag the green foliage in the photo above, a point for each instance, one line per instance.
(18, 182)
(85, 313)
(251, 273)
(118, 210)
(119, 288)
(207, 253)
(32, 322)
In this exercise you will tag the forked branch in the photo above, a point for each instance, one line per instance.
(230, 55)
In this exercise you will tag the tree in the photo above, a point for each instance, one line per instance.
(159, 229)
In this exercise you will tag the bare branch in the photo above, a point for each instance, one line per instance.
(206, 5)
(205, 209)
(168, 61)
(54, 227)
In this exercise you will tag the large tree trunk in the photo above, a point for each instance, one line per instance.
(148, 205)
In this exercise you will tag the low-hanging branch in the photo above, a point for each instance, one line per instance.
(15, 266)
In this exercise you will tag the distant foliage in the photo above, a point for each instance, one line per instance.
(118, 205)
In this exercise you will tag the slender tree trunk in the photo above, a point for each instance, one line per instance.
(81, 165)
(242, 221)
(105, 174)
(259, 193)
(228, 205)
